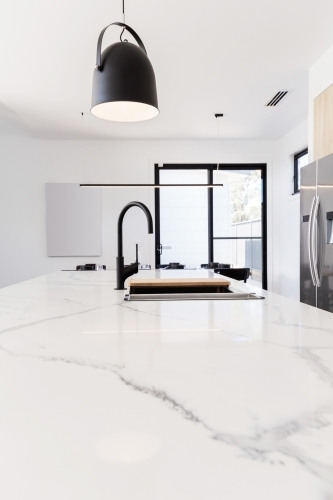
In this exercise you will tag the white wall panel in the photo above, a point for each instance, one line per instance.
(73, 220)
(287, 213)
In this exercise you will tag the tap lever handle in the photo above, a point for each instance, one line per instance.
(137, 253)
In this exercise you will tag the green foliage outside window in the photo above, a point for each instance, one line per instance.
(246, 198)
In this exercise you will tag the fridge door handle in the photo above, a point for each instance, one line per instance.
(310, 246)
(321, 241)
(315, 241)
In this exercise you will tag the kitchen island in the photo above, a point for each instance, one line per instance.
(177, 400)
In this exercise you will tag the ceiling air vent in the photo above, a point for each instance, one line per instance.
(277, 98)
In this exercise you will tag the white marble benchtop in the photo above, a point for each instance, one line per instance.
(195, 400)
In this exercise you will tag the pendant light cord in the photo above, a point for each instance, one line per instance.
(82, 145)
(217, 116)
(218, 143)
(121, 34)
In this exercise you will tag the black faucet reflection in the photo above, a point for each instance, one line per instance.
(123, 272)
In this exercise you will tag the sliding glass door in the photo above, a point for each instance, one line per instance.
(226, 225)
(184, 217)
(238, 220)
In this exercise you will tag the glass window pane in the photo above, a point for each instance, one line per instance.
(241, 253)
(221, 205)
(223, 252)
(237, 205)
(184, 218)
(237, 213)
(301, 162)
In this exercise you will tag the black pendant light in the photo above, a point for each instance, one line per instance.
(124, 85)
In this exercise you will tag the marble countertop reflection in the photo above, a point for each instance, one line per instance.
(192, 400)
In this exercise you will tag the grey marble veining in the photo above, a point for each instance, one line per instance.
(184, 400)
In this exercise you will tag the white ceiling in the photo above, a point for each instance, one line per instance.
(212, 56)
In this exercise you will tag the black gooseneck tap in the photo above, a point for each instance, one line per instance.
(123, 272)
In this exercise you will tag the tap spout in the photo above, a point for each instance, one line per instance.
(123, 272)
(121, 218)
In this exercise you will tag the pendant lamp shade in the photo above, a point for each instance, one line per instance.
(124, 85)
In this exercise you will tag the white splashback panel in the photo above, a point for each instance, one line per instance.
(73, 220)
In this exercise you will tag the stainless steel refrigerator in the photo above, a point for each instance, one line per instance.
(316, 271)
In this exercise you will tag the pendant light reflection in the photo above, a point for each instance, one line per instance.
(124, 85)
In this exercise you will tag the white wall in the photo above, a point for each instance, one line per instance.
(27, 164)
(320, 77)
(286, 216)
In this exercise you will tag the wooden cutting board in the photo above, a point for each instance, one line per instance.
(220, 281)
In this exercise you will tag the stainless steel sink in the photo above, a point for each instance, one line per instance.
(188, 293)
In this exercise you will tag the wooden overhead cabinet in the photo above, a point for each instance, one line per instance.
(323, 124)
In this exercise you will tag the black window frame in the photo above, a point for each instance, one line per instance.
(297, 156)
(210, 193)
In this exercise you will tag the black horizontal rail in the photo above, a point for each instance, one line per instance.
(155, 186)
(237, 237)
